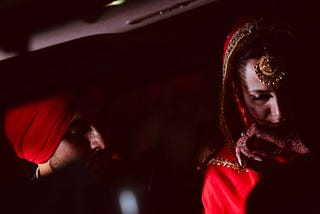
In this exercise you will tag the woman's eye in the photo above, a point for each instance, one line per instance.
(261, 97)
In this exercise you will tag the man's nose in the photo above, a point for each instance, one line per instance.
(96, 140)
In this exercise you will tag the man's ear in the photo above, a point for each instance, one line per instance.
(44, 169)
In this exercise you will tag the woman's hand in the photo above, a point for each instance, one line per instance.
(269, 144)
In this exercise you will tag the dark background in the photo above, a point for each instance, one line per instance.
(160, 87)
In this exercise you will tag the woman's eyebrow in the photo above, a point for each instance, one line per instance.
(258, 91)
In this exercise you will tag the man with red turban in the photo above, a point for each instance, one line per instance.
(51, 134)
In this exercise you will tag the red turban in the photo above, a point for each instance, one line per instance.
(35, 129)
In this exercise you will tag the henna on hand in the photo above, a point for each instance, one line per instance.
(280, 145)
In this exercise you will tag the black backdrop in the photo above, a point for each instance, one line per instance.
(128, 66)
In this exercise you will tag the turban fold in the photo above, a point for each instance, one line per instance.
(36, 129)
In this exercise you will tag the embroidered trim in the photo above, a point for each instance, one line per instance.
(244, 31)
(227, 163)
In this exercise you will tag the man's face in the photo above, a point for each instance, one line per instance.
(80, 142)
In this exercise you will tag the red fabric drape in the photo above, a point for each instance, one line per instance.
(225, 189)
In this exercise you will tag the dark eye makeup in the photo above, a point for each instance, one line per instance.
(261, 97)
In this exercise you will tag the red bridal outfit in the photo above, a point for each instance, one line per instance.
(226, 184)
(234, 170)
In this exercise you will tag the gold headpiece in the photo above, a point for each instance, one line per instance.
(267, 70)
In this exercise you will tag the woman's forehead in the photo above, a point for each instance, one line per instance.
(250, 79)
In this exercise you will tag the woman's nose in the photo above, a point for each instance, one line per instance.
(96, 140)
(275, 111)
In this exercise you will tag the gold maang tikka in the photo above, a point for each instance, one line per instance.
(267, 70)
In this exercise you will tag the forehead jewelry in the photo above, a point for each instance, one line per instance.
(267, 70)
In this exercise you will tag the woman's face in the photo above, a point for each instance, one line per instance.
(261, 100)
